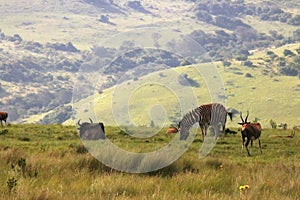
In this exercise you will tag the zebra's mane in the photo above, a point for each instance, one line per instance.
(187, 122)
(190, 118)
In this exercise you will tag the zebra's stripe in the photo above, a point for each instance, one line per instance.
(208, 114)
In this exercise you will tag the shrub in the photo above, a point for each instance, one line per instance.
(273, 124)
(3, 132)
(11, 184)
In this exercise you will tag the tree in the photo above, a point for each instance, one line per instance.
(288, 52)
(248, 63)
(226, 63)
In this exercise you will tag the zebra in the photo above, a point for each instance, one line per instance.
(206, 115)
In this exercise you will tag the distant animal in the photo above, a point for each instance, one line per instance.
(250, 131)
(292, 135)
(91, 131)
(228, 131)
(3, 117)
(206, 115)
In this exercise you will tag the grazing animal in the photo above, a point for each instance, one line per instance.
(3, 117)
(251, 131)
(292, 135)
(228, 131)
(91, 131)
(208, 114)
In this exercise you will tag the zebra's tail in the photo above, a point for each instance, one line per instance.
(230, 115)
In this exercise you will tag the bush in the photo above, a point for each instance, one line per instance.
(248, 75)
(248, 63)
(3, 132)
(273, 124)
(288, 52)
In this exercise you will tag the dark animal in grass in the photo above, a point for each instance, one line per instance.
(250, 131)
(292, 135)
(91, 131)
(228, 131)
(3, 117)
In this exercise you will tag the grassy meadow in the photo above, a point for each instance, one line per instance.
(50, 162)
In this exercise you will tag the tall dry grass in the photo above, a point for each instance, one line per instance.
(64, 170)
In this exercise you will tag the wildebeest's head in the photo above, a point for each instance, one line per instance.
(91, 131)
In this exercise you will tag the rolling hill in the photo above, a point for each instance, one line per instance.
(47, 47)
(160, 98)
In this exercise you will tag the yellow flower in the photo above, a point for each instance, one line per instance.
(221, 167)
(244, 187)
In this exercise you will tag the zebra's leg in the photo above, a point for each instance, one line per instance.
(216, 131)
(202, 131)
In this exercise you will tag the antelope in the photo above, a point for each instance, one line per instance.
(251, 131)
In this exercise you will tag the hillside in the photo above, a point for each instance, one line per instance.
(47, 46)
(162, 97)
(154, 99)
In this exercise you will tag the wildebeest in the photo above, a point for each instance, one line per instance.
(91, 131)
(3, 117)
(251, 131)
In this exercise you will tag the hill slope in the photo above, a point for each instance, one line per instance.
(161, 98)
(44, 44)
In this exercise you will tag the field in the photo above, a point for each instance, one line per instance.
(50, 162)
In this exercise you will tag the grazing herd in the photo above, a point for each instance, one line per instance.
(212, 115)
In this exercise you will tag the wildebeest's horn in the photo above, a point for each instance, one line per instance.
(241, 117)
(79, 122)
(91, 120)
(247, 116)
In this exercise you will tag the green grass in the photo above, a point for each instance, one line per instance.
(58, 167)
(266, 97)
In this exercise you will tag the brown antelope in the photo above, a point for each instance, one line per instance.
(3, 117)
(251, 131)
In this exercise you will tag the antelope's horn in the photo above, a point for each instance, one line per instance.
(91, 120)
(247, 116)
(241, 117)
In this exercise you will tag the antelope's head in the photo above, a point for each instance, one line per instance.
(244, 123)
(172, 129)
